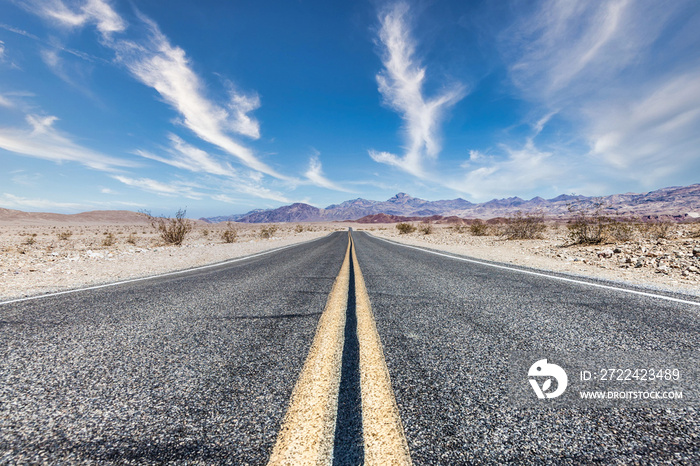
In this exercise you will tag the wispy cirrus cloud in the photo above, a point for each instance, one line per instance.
(612, 70)
(160, 188)
(5, 102)
(191, 158)
(185, 156)
(155, 62)
(650, 137)
(97, 12)
(315, 175)
(42, 140)
(401, 85)
(520, 170)
(166, 69)
(10, 201)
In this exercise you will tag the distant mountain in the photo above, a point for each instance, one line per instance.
(674, 201)
(298, 212)
(230, 218)
(9, 216)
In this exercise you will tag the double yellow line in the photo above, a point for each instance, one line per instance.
(308, 430)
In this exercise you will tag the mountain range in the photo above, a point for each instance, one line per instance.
(677, 202)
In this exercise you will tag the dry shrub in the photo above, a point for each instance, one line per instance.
(172, 230)
(588, 225)
(695, 230)
(131, 239)
(299, 228)
(459, 228)
(230, 234)
(31, 240)
(479, 228)
(525, 226)
(65, 235)
(405, 228)
(268, 232)
(621, 231)
(426, 229)
(109, 240)
(659, 229)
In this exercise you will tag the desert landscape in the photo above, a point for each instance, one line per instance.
(44, 253)
(668, 264)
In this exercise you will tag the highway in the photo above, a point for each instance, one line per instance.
(409, 363)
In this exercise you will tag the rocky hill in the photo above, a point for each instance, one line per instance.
(679, 202)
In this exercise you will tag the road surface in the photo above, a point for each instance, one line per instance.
(209, 366)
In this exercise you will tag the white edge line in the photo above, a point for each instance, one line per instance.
(540, 274)
(151, 277)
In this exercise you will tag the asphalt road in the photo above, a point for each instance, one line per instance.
(199, 367)
(449, 329)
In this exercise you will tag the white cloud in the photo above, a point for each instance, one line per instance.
(5, 102)
(26, 179)
(45, 142)
(567, 48)
(188, 157)
(616, 72)
(166, 69)
(316, 176)
(160, 188)
(10, 201)
(225, 198)
(240, 106)
(97, 12)
(401, 84)
(650, 137)
(521, 170)
(21, 32)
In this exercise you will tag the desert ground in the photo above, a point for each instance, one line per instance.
(41, 256)
(668, 264)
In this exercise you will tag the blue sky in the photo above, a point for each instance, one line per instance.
(223, 107)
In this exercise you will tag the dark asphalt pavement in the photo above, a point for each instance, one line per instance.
(449, 327)
(197, 367)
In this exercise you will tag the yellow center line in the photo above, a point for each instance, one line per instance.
(308, 428)
(384, 437)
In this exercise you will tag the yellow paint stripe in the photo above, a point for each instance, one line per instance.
(384, 437)
(308, 429)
